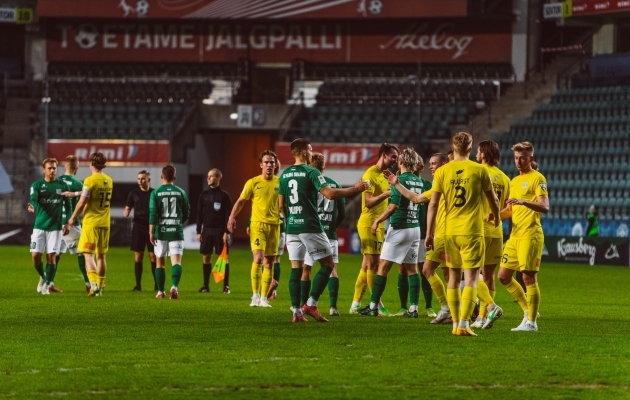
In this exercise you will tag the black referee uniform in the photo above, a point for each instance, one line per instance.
(138, 200)
(213, 211)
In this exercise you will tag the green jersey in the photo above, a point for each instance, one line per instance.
(406, 215)
(49, 203)
(331, 212)
(300, 184)
(74, 185)
(423, 208)
(168, 209)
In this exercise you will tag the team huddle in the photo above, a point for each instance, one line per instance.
(454, 222)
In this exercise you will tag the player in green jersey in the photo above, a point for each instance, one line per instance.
(299, 185)
(331, 214)
(71, 240)
(47, 202)
(168, 210)
(402, 239)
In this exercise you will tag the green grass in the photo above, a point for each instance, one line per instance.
(129, 345)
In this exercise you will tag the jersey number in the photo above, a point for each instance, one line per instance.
(172, 213)
(104, 200)
(412, 206)
(293, 185)
(257, 242)
(326, 205)
(460, 196)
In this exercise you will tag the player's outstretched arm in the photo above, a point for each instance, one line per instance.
(388, 213)
(506, 213)
(540, 205)
(238, 206)
(78, 210)
(431, 213)
(334, 194)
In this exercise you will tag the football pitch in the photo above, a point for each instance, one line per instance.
(128, 345)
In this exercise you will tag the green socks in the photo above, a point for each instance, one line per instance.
(378, 288)
(176, 274)
(82, 268)
(294, 286)
(160, 277)
(427, 292)
(40, 269)
(333, 290)
(49, 273)
(403, 290)
(320, 281)
(276, 272)
(305, 289)
(414, 289)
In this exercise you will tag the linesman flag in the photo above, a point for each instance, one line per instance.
(218, 271)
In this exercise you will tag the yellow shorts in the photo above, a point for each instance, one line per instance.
(494, 251)
(522, 254)
(265, 237)
(94, 240)
(464, 251)
(371, 244)
(437, 254)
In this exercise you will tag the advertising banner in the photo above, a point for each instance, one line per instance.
(337, 155)
(117, 152)
(587, 250)
(426, 41)
(269, 9)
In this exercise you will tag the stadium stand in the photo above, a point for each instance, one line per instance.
(582, 141)
(406, 103)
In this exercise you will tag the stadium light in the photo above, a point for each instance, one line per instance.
(234, 116)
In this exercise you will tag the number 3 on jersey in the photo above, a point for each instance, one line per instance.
(293, 185)
(460, 196)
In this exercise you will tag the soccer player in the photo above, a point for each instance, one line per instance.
(95, 206)
(272, 295)
(523, 250)
(70, 241)
(169, 208)
(434, 257)
(138, 201)
(47, 202)
(264, 227)
(373, 204)
(463, 184)
(331, 214)
(489, 154)
(299, 185)
(213, 211)
(403, 236)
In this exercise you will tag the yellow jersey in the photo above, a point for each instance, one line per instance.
(264, 196)
(462, 184)
(98, 190)
(378, 185)
(501, 186)
(525, 221)
(440, 219)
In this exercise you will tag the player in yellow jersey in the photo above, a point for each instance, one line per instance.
(528, 198)
(489, 154)
(434, 257)
(264, 229)
(95, 205)
(373, 204)
(463, 184)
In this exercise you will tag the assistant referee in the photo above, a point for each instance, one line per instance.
(213, 211)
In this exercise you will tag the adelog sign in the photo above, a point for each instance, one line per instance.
(337, 155)
(435, 41)
(269, 9)
(587, 250)
(117, 152)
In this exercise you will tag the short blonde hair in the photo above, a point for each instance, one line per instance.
(462, 141)
(524, 146)
(318, 162)
(409, 159)
(72, 163)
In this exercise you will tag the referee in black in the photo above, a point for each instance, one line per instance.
(213, 210)
(138, 200)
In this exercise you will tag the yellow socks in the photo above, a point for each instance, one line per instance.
(370, 279)
(469, 297)
(438, 288)
(485, 298)
(267, 274)
(360, 286)
(92, 276)
(454, 299)
(256, 277)
(533, 301)
(517, 293)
